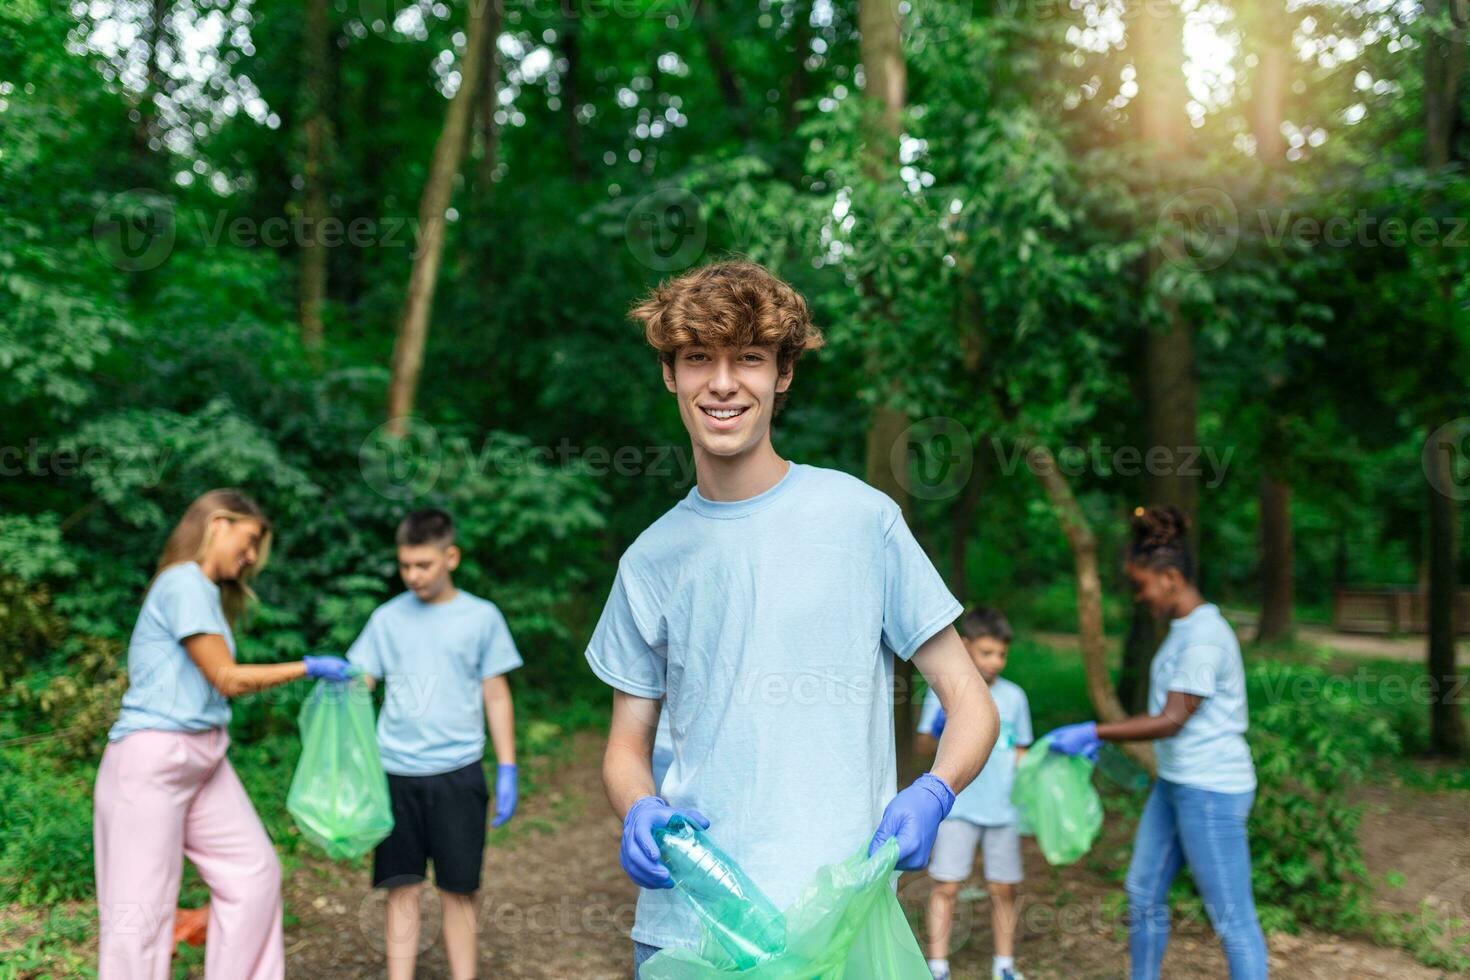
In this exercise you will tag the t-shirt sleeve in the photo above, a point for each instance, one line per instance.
(366, 652)
(621, 651)
(916, 602)
(1024, 735)
(498, 654)
(188, 606)
(928, 712)
(1198, 670)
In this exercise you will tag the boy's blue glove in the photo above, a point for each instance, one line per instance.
(936, 729)
(1079, 739)
(505, 793)
(913, 817)
(639, 853)
(329, 668)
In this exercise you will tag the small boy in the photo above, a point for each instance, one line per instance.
(982, 814)
(444, 654)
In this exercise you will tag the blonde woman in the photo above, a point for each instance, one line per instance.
(165, 789)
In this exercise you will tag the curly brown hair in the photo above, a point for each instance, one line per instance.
(728, 304)
(1160, 539)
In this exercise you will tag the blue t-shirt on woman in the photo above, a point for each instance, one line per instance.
(1201, 656)
(166, 691)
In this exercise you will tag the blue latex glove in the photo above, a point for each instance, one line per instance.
(639, 853)
(505, 793)
(937, 729)
(1079, 739)
(913, 817)
(329, 668)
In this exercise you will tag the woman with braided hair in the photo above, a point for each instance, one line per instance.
(1197, 811)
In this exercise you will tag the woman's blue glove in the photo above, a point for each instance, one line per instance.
(639, 853)
(505, 793)
(329, 668)
(1079, 739)
(913, 817)
(936, 728)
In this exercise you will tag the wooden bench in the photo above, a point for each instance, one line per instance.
(1391, 609)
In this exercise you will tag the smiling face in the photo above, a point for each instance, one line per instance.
(425, 569)
(1156, 589)
(234, 546)
(727, 395)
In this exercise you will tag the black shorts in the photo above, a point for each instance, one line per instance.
(439, 818)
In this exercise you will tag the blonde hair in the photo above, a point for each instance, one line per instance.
(192, 536)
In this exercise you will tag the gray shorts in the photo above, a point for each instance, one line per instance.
(954, 852)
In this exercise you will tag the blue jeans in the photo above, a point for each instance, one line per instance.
(1181, 823)
(641, 952)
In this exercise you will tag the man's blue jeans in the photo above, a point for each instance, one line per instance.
(1206, 829)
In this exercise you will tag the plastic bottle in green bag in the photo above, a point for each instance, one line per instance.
(339, 794)
(735, 912)
(1057, 802)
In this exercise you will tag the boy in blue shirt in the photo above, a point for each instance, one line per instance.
(983, 816)
(765, 610)
(444, 655)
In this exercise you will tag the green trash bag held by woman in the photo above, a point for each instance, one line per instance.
(339, 795)
(1057, 802)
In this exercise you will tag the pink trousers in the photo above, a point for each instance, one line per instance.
(162, 796)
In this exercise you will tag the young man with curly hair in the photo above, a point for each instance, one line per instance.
(763, 613)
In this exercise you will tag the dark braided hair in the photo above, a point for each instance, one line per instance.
(1161, 540)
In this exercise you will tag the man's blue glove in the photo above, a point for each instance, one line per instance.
(1079, 739)
(639, 853)
(936, 728)
(913, 817)
(505, 793)
(329, 668)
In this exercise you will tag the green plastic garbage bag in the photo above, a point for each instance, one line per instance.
(339, 795)
(846, 925)
(1057, 803)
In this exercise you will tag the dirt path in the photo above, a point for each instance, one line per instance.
(1408, 648)
(557, 906)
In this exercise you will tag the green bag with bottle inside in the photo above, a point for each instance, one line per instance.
(1057, 802)
(339, 795)
(846, 925)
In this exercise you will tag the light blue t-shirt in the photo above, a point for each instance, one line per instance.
(769, 626)
(987, 800)
(433, 657)
(1201, 656)
(166, 691)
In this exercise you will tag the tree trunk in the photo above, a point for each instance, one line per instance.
(316, 56)
(719, 60)
(886, 86)
(1446, 723)
(487, 103)
(1277, 562)
(1172, 391)
(413, 326)
(963, 517)
(571, 49)
(1090, 636)
(1278, 581)
(1444, 68)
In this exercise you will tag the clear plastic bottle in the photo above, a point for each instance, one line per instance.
(737, 914)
